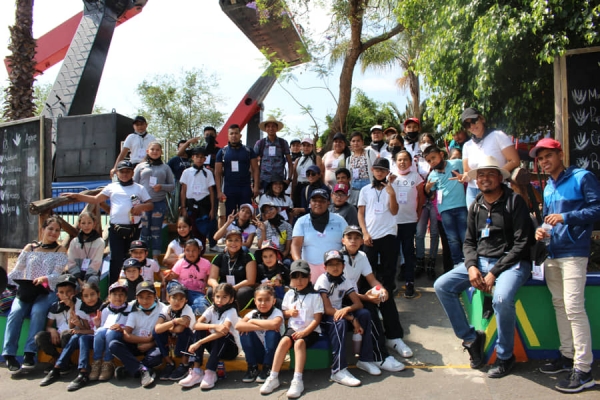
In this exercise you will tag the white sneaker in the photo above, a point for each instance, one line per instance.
(399, 346)
(391, 364)
(147, 378)
(269, 385)
(344, 377)
(215, 249)
(192, 379)
(209, 380)
(369, 367)
(296, 389)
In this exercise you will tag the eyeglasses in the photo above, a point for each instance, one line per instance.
(468, 122)
(311, 173)
(339, 194)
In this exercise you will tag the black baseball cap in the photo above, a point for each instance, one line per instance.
(177, 288)
(124, 164)
(332, 255)
(145, 287)
(132, 263)
(138, 244)
(382, 162)
(139, 118)
(67, 279)
(352, 229)
(300, 266)
(320, 192)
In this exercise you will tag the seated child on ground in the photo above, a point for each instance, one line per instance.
(304, 308)
(216, 332)
(261, 332)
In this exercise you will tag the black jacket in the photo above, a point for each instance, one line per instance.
(511, 231)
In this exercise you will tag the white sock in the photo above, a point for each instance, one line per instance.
(274, 374)
(198, 370)
(297, 376)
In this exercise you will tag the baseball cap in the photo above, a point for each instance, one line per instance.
(546, 143)
(132, 263)
(66, 279)
(177, 288)
(381, 162)
(469, 113)
(340, 136)
(374, 127)
(320, 192)
(294, 140)
(308, 140)
(233, 232)
(145, 287)
(249, 206)
(314, 168)
(124, 164)
(412, 119)
(267, 203)
(300, 266)
(332, 255)
(352, 229)
(139, 118)
(120, 284)
(138, 244)
(340, 187)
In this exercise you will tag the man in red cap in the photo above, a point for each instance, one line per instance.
(571, 206)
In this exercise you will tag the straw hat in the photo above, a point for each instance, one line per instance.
(488, 162)
(270, 119)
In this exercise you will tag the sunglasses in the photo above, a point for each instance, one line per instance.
(468, 122)
(311, 173)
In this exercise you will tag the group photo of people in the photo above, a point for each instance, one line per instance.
(280, 246)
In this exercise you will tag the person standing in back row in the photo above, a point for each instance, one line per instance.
(135, 144)
(273, 153)
(571, 206)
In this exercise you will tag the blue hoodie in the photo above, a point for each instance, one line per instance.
(576, 196)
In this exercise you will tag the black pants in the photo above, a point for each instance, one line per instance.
(44, 341)
(119, 249)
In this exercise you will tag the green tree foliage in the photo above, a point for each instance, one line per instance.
(497, 56)
(180, 106)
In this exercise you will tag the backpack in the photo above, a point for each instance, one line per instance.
(224, 152)
(263, 142)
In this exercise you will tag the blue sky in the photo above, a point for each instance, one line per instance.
(166, 39)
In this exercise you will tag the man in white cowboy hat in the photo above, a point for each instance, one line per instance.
(497, 247)
(273, 153)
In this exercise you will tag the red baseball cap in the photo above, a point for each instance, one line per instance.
(412, 119)
(340, 187)
(546, 143)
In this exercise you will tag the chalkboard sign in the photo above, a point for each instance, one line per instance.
(583, 94)
(25, 176)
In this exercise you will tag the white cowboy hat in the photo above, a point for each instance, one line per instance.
(488, 162)
(270, 119)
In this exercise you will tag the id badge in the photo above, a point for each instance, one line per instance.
(335, 163)
(439, 196)
(485, 232)
(272, 151)
(140, 154)
(378, 208)
(196, 189)
(275, 239)
(207, 161)
(235, 166)
(153, 181)
(283, 214)
(303, 172)
(230, 279)
(402, 197)
(355, 173)
(85, 264)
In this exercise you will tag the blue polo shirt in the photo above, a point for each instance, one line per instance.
(242, 155)
(316, 243)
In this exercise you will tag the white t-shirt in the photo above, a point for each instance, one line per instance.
(61, 319)
(148, 271)
(491, 145)
(120, 200)
(186, 311)
(230, 315)
(197, 185)
(323, 285)
(354, 269)
(110, 318)
(178, 249)
(277, 313)
(378, 217)
(142, 323)
(137, 145)
(307, 304)
(405, 187)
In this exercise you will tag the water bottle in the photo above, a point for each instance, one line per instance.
(548, 229)
(221, 370)
(356, 343)
(135, 200)
(376, 291)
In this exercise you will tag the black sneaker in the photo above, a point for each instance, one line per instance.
(251, 374)
(501, 368)
(28, 361)
(12, 364)
(476, 350)
(120, 373)
(264, 374)
(52, 377)
(179, 373)
(576, 382)
(561, 364)
(410, 290)
(79, 382)
(165, 375)
(66, 370)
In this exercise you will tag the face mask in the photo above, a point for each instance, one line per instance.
(404, 171)
(152, 307)
(412, 136)
(423, 146)
(396, 149)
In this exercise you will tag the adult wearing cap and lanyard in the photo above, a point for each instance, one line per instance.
(273, 152)
(571, 206)
(378, 144)
(128, 200)
(135, 144)
(317, 232)
(497, 252)
(335, 158)
(484, 142)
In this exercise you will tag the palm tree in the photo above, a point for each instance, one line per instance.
(402, 50)
(19, 94)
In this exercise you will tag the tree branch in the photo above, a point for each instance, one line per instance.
(384, 36)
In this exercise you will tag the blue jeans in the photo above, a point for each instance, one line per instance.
(183, 342)
(86, 343)
(470, 195)
(452, 283)
(258, 352)
(455, 225)
(127, 352)
(102, 338)
(428, 216)
(357, 184)
(151, 227)
(37, 311)
(69, 349)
